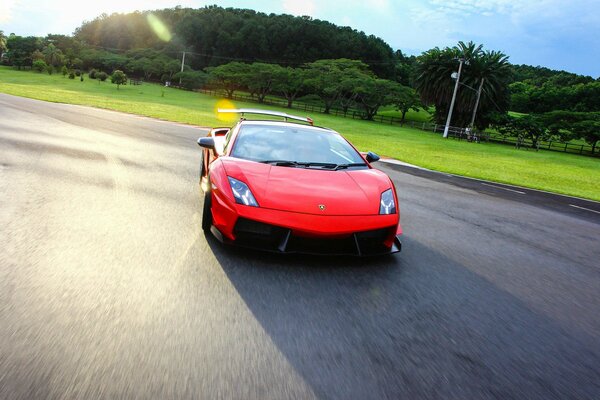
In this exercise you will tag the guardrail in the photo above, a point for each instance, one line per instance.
(453, 132)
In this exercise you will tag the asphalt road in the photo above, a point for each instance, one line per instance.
(109, 290)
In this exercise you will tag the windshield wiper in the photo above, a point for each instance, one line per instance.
(282, 163)
(288, 163)
(343, 166)
(331, 166)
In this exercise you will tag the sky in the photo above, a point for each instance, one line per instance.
(558, 34)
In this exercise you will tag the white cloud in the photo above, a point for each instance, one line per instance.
(299, 7)
(6, 8)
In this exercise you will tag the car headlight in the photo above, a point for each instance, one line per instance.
(387, 205)
(242, 193)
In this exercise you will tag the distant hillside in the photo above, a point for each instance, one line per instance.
(540, 75)
(219, 35)
(540, 90)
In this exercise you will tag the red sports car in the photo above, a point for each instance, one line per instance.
(291, 187)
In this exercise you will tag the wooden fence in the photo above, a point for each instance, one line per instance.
(453, 132)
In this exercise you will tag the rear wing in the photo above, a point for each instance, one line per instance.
(286, 116)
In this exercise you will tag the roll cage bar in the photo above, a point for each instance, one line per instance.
(283, 115)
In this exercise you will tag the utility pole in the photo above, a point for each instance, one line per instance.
(182, 64)
(461, 60)
(477, 102)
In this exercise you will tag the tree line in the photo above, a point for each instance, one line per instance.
(342, 83)
(218, 35)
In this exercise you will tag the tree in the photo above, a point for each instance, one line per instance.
(36, 56)
(230, 77)
(260, 78)
(20, 50)
(64, 71)
(351, 80)
(326, 78)
(113, 62)
(119, 78)
(192, 79)
(404, 68)
(2, 43)
(407, 99)
(569, 125)
(39, 65)
(373, 93)
(435, 86)
(171, 68)
(52, 55)
(588, 130)
(102, 76)
(152, 67)
(528, 126)
(76, 63)
(289, 82)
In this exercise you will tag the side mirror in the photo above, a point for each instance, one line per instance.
(372, 157)
(206, 142)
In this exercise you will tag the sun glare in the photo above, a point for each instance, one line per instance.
(159, 27)
(225, 117)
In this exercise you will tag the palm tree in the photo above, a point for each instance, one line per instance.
(53, 55)
(2, 43)
(435, 85)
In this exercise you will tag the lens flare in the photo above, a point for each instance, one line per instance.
(159, 27)
(225, 117)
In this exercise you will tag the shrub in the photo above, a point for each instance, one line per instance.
(64, 71)
(77, 72)
(39, 65)
(119, 78)
(102, 75)
(81, 78)
(191, 79)
(92, 74)
(49, 69)
(71, 75)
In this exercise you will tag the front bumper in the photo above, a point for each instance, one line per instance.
(290, 232)
(257, 235)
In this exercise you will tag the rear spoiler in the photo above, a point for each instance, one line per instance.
(286, 116)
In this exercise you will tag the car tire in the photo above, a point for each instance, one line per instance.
(201, 171)
(207, 213)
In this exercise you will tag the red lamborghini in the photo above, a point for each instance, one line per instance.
(291, 187)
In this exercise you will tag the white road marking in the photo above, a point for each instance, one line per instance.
(586, 209)
(500, 187)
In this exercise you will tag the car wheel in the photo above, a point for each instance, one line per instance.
(201, 172)
(207, 213)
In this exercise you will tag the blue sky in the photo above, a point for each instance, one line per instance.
(557, 34)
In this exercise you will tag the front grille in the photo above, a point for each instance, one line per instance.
(251, 233)
(256, 234)
(297, 244)
(371, 242)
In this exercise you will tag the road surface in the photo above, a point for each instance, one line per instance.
(109, 289)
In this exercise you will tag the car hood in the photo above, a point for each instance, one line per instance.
(311, 190)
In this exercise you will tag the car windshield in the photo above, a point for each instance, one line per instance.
(288, 145)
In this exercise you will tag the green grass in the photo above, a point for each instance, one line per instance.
(416, 116)
(552, 171)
